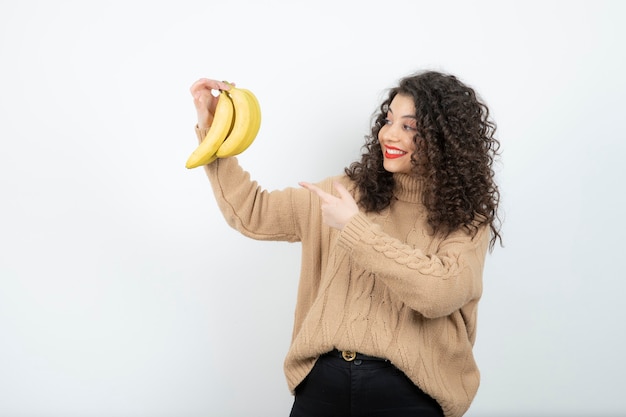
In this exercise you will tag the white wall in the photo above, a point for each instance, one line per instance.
(123, 292)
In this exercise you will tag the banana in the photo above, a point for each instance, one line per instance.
(222, 125)
(246, 125)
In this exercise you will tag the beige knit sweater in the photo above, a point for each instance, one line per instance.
(381, 286)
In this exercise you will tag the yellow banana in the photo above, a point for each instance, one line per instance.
(222, 125)
(246, 124)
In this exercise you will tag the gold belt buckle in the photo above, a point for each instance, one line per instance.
(348, 355)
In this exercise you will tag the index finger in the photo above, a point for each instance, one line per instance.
(315, 189)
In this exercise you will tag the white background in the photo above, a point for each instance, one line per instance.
(123, 292)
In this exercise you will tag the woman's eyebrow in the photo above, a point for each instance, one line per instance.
(406, 116)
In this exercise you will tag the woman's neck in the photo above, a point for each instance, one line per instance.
(408, 187)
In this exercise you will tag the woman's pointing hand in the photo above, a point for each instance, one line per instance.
(336, 211)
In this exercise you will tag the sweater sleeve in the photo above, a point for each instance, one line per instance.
(256, 213)
(435, 284)
(251, 210)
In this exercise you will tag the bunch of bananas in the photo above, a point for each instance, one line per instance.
(236, 122)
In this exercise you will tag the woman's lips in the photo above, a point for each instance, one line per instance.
(393, 153)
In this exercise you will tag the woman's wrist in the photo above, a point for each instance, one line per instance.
(205, 120)
(204, 124)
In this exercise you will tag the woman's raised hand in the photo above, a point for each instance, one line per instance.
(204, 100)
(336, 211)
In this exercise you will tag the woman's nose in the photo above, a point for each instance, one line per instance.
(388, 133)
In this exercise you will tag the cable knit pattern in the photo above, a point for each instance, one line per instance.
(382, 286)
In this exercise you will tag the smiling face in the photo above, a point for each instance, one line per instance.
(396, 135)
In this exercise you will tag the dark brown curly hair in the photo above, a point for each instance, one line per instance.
(455, 151)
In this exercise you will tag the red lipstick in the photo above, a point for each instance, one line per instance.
(393, 155)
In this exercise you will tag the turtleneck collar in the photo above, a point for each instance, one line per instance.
(408, 187)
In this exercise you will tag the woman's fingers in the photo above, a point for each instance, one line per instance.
(323, 195)
(348, 202)
(336, 211)
(343, 191)
(208, 84)
(203, 91)
(344, 194)
(205, 97)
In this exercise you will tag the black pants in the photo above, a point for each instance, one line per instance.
(360, 388)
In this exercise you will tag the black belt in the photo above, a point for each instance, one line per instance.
(349, 356)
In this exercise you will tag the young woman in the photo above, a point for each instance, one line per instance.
(392, 254)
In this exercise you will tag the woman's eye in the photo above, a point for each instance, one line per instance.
(411, 128)
(386, 121)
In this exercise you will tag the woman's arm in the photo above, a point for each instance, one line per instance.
(434, 284)
(248, 208)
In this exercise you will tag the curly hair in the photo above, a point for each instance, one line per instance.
(455, 151)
